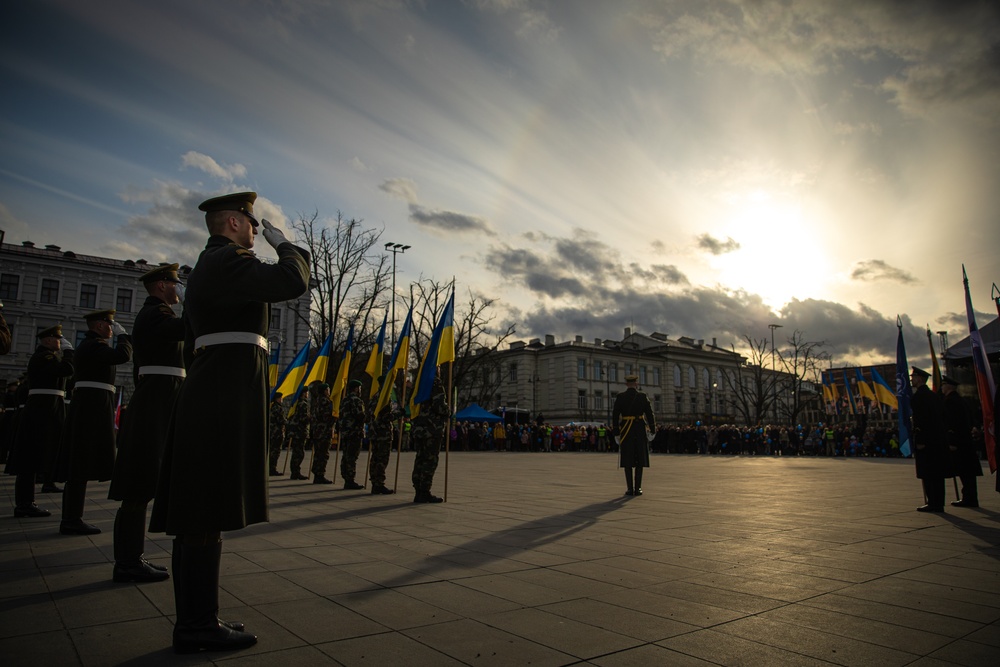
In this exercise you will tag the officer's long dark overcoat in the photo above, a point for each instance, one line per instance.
(214, 471)
(634, 448)
(40, 422)
(930, 444)
(88, 442)
(158, 340)
(958, 425)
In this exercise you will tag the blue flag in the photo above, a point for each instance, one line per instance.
(903, 394)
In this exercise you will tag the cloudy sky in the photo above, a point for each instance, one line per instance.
(700, 168)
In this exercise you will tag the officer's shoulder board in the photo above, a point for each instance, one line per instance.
(166, 310)
(241, 251)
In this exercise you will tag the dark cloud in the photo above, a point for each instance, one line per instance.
(873, 270)
(449, 221)
(715, 246)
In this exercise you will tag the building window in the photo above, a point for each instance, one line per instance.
(581, 399)
(692, 377)
(694, 404)
(49, 292)
(9, 284)
(581, 369)
(275, 323)
(678, 404)
(613, 372)
(642, 375)
(656, 403)
(598, 400)
(123, 300)
(88, 296)
(513, 372)
(656, 376)
(705, 377)
(628, 370)
(598, 370)
(677, 376)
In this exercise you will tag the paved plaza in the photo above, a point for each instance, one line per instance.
(538, 559)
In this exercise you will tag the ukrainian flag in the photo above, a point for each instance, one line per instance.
(399, 360)
(883, 391)
(272, 364)
(292, 377)
(440, 350)
(374, 367)
(863, 389)
(317, 371)
(340, 382)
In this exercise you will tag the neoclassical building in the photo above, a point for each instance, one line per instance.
(687, 380)
(42, 286)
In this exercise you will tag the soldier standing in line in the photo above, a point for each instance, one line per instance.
(630, 418)
(276, 436)
(214, 473)
(322, 431)
(158, 370)
(381, 434)
(41, 421)
(933, 461)
(351, 426)
(298, 436)
(965, 458)
(88, 444)
(427, 436)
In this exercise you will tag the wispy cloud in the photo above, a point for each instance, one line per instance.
(716, 246)
(875, 270)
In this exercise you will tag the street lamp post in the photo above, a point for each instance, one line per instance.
(774, 377)
(395, 249)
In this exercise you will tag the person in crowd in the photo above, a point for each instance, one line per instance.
(214, 472)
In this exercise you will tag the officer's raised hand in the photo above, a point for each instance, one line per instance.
(272, 234)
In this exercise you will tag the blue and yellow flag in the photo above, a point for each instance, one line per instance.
(883, 391)
(291, 379)
(374, 367)
(400, 358)
(903, 393)
(272, 365)
(320, 365)
(850, 395)
(864, 390)
(340, 382)
(440, 350)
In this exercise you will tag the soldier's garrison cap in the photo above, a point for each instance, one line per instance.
(631, 378)
(54, 332)
(920, 371)
(101, 316)
(238, 201)
(354, 383)
(166, 272)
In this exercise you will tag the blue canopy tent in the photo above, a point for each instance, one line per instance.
(474, 413)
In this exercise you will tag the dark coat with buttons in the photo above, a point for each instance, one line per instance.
(634, 447)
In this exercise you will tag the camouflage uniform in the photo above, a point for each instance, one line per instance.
(381, 432)
(276, 437)
(298, 435)
(426, 436)
(352, 430)
(320, 433)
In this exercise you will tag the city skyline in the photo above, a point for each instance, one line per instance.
(701, 169)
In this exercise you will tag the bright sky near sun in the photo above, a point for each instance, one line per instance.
(700, 168)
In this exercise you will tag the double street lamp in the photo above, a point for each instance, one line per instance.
(395, 249)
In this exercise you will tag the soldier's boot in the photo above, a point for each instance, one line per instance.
(424, 496)
(196, 595)
(296, 474)
(628, 482)
(638, 481)
(72, 522)
(129, 539)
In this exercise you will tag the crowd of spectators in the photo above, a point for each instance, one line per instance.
(844, 439)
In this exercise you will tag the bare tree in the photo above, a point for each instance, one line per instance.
(349, 279)
(751, 386)
(801, 361)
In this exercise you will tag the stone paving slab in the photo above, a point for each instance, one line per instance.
(538, 559)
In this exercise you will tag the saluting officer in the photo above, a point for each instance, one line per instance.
(630, 418)
(214, 472)
(158, 371)
(40, 422)
(88, 443)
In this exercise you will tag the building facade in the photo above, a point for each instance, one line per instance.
(44, 286)
(687, 380)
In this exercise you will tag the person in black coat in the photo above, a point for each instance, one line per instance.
(158, 371)
(213, 477)
(630, 417)
(931, 448)
(965, 458)
(88, 442)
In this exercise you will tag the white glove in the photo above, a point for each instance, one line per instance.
(272, 234)
(64, 344)
(179, 291)
(118, 329)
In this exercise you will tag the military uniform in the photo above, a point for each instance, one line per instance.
(351, 427)
(933, 461)
(40, 423)
(158, 371)
(381, 433)
(427, 435)
(276, 435)
(320, 435)
(965, 458)
(214, 472)
(630, 418)
(298, 435)
(88, 443)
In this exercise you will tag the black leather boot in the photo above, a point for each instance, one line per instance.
(638, 481)
(628, 482)
(129, 539)
(196, 594)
